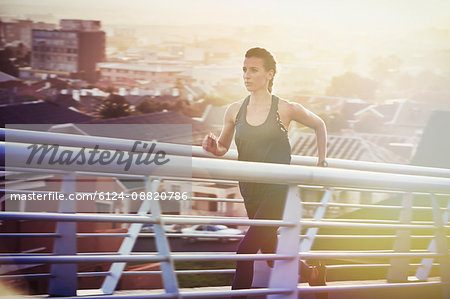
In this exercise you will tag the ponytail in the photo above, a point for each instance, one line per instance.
(269, 87)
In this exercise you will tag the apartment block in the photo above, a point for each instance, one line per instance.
(16, 31)
(125, 74)
(74, 50)
(20, 30)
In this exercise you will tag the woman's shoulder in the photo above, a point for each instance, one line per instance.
(236, 106)
(288, 108)
(284, 104)
(233, 109)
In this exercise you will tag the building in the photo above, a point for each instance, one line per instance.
(43, 26)
(434, 145)
(20, 30)
(80, 25)
(16, 31)
(358, 147)
(371, 147)
(127, 75)
(74, 50)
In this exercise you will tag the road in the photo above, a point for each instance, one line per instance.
(147, 244)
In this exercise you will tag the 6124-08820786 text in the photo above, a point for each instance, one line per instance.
(166, 195)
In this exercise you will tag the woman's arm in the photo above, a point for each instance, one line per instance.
(220, 147)
(304, 116)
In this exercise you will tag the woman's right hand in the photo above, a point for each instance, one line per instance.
(210, 143)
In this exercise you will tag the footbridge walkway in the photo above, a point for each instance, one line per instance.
(409, 270)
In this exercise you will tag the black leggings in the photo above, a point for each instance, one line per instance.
(266, 202)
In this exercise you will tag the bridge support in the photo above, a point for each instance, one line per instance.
(398, 272)
(162, 244)
(442, 246)
(285, 273)
(63, 281)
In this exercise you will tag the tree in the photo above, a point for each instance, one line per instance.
(352, 85)
(180, 104)
(22, 56)
(149, 106)
(110, 89)
(25, 60)
(6, 64)
(114, 106)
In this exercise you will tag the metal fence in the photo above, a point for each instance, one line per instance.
(297, 235)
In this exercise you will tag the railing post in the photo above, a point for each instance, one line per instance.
(311, 233)
(162, 244)
(423, 271)
(442, 247)
(116, 270)
(285, 273)
(398, 272)
(64, 276)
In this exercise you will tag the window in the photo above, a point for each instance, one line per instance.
(212, 206)
(222, 207)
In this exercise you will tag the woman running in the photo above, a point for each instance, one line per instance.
(260, 122)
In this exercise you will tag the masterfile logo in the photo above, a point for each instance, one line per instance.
(83, 156)
(103, 167)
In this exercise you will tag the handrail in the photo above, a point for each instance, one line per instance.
(251, 171)
(101, 217)
(15, 135)
(184, 235)
(203, 271)
(344, 288)
(93, 217)
(111, 258)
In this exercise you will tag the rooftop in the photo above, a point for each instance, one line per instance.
(4, 77)
(39, 112)
(358, 147)
(160, 126)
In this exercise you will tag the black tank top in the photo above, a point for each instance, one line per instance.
(267, 142)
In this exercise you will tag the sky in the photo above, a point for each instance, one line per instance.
(343, 15)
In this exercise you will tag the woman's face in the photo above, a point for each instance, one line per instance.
(255, 75)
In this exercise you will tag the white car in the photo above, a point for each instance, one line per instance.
(212, 232)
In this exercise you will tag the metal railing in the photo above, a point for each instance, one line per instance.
(279, 282)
